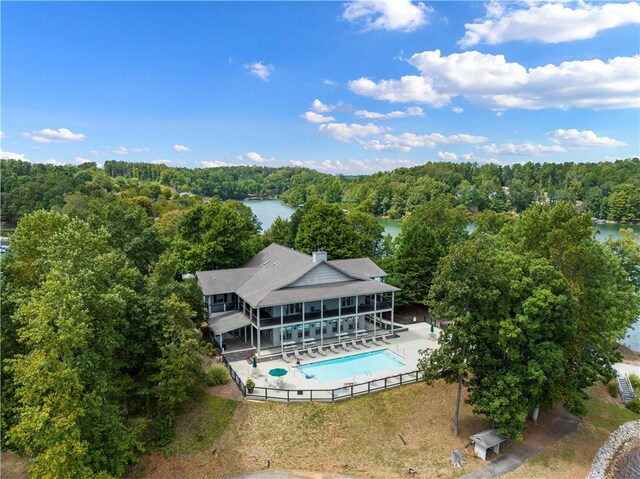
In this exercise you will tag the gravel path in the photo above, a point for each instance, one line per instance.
(562, 424)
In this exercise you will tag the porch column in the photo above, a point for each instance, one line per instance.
(339, 317)
(393, 298)
(281, 329)
(321, 321)
(258, 331)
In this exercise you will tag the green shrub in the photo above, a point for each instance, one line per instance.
(612, 386)
(217, 375)
(210, 349)
(635, 382)
(634, 406)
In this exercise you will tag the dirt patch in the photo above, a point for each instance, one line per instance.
(225, 391)
(13, 466)
(629, 356)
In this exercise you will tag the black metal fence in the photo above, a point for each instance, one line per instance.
(322, 395)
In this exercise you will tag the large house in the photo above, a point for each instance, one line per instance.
(282, 298)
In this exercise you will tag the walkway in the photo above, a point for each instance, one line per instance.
(562, 424)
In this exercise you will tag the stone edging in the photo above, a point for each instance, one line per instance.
(629, 431)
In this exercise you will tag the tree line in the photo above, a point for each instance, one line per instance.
(607, 190)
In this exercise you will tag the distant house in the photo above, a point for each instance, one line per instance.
(283, 298)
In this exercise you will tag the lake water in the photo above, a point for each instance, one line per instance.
(268, 210)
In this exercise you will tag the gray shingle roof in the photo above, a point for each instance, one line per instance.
(269, 272)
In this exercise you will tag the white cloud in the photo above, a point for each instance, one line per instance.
(314, 117)
(402, 15)
(95, 153)
(213, 164)
(582, 139)
(492, 82)
(521, 149)
(328, 81)
(161, 162)
(255, 157)
(408, 88)
(296, 163)
(457, 109)
(411, 111)
(344, 132)
(447, 156)
(407, 141)
(181, 148)
(547, 22)
(120, 150)
(10, 155)
(379, 164)
(260, 70)
(480, 160)
(80, 159)
(48, 135)
(53, 162)
(320, 107)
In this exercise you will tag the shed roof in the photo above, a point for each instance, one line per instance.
(228, 322)
(487, 438)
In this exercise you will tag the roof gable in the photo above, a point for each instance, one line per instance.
(322, 273)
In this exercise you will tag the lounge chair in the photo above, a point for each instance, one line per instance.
(310, 353)
(296, 353)
(334, 348)
(355, 345)
(365, 342)
(376, 341)
(385, 339)
(285, 357)
(321, 351)
(347, 346)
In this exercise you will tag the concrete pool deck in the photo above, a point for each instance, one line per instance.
(407, 345)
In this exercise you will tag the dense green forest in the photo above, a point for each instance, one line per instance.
(607, 190)
(100, 336)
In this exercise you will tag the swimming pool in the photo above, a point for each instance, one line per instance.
(362, 364)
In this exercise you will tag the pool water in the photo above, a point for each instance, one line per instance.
(362, 364)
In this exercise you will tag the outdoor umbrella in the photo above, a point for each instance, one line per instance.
(277, 372)
(255, 362)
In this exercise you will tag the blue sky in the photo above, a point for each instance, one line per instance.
(340, 87)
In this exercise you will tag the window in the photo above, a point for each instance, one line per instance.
(292, 308)
(334, 326)
(347, 301)
(287, 333)
(218, 298)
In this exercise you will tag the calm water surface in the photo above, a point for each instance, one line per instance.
(268, 210)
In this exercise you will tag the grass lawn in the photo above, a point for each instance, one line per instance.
(357, 437)
(208, 417)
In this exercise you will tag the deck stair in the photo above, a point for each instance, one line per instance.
(625, 389)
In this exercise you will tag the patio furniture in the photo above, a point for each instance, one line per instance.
(376, 341)
(296, 353)
(321, 351)
(385, 339)
(347, 346)
(365, 342)
(355, 345)
(311, 353)
(285, 357)
(334, 348)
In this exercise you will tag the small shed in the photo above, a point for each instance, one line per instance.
(485, 442)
